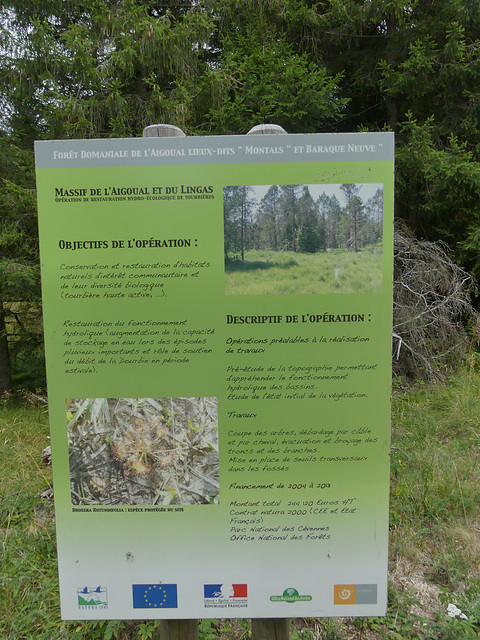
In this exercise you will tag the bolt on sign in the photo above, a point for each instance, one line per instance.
(217, 326)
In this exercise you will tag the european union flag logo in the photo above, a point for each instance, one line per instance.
(154, 596)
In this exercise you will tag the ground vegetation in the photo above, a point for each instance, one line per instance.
(434, 555)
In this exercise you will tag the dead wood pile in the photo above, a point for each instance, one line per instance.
(434, 322)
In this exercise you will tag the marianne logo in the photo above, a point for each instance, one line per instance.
(355, 594)
(290, 595)
(90, 598)
(225, 595)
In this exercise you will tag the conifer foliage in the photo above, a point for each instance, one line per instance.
(103, 68)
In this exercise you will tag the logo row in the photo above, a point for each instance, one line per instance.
(164, 596)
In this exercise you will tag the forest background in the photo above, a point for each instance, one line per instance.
(304, 218)
(105, 68)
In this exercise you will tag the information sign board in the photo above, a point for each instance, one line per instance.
(218, 330)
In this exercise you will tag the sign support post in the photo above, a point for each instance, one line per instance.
(172, 629)
(270, 628)
(262, 629)
(178, 630)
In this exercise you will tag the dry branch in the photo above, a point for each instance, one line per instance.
(432, 308)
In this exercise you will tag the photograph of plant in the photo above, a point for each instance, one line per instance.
(143, 451)
(301, 239)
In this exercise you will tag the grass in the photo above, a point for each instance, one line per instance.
(434, 531)
(286, 272)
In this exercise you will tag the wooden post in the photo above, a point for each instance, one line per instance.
(178, 630)
(267, 129)
(172, 629)
(270, 628)
(262, 628)
(163, 131)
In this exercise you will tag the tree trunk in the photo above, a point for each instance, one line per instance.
(243, 221)
(6, 383)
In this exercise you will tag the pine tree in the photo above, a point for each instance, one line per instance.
(354, 212)
(374, 211)
(308, 235)
(238, 204)
(103, 68)
(330, 212)
(20, 321)
(289, 216)
(268, 231)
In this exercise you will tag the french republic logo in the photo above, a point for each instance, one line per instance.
(225, 595)
(355, 594)
(92, 598)
(154, 596)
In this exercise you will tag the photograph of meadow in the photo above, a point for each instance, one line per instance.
(303, 239)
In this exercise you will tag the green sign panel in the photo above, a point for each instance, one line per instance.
(218, 331)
